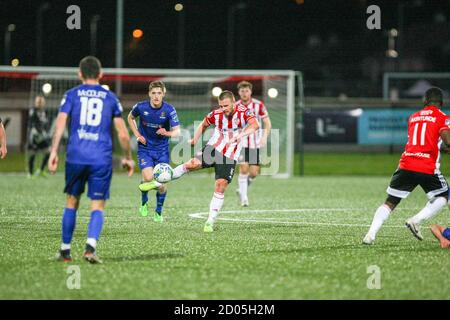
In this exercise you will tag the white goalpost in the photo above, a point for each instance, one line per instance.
(190, 91)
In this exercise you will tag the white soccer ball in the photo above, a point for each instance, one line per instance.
(162, 172)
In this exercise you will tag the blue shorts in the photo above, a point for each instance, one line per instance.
(98, 178)
(446, 233)
(149, 158)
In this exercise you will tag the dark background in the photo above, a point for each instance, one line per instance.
(326, 39)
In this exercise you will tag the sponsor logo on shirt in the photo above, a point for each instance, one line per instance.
(417, 154)
(84, 135)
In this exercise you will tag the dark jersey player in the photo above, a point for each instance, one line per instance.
(92, 110)
(419, 165)
(38, 136)
(158, 122)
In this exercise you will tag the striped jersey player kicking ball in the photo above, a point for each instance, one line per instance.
(419, 165)
(232, 123)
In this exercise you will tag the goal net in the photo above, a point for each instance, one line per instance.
(192, 92)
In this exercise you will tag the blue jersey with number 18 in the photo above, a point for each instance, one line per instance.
(91, 109)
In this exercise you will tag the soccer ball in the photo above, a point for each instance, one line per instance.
(162, 172)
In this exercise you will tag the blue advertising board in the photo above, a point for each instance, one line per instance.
(384, 126)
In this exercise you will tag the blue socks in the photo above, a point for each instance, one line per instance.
(95, 225)
(68, 225)
(144, 197)
(160, 197)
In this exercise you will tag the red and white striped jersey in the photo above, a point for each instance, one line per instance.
(260, 112)
(228, 127)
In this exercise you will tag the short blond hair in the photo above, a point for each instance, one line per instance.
(244, 84)
(157, 84)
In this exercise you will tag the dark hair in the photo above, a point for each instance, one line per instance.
(226, 94)
(244, 84)
(433, 96)
(90, 67)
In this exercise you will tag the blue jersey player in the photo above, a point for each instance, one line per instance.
(92, 110)
(158, 121)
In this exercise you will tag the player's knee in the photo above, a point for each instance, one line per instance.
(221, 185)
(392, 201)
(147, 175)
(162, 189)
(72, 202)
(243, 169)
(98, 205)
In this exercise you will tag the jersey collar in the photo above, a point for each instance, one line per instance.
(431, 106)
(152, 107)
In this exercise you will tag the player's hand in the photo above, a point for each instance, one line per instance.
(142, 140)
(192, 142)
(163, 132)
(53, 162)
(3, 152)
(128, 164)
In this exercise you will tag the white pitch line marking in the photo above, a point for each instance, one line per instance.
(203, 215)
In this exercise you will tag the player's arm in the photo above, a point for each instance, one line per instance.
(251, 127)
(267, 127)
(60, 126)
(199, 131)
(124, 140)
(3, 150)
(174, 132)
(132, 123)
(437, 231)
(445, 136)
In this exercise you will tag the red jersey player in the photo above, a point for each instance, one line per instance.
(419, 165)
(232, 124)
(249, 161)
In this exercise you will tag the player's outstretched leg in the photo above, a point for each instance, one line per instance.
(68, 226)
(94, 229)
(429, 211)
(380, 216)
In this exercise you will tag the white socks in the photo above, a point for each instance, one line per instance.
(430, 210)
(65, 246)
(215, 206)
(179, 171)
(243, 186)
(380, 216)
(92, 242)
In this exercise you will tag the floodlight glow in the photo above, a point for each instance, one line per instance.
(179, 7)
(273, 93)
(47, 88)
(15, 62)
(138, 33)
(216, 91)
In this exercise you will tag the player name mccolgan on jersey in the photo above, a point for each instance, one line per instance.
(92, 93)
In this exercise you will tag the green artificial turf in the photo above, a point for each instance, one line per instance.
(303, 243)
